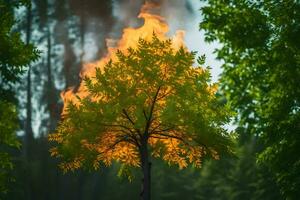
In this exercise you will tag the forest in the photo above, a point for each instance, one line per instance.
(102, 99)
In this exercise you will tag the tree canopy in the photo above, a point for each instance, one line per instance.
(15, 55)
(149, 98)
(260, 50)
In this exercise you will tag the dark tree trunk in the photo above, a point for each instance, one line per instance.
(69, 63)
(146, 168)
(50, 89)
(28, 129)
(28, 137)
(82, 28)
(144, 152)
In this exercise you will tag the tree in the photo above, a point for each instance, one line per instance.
(28, 126)
(237, 177)
(14, 57)
(260, 50)
(8, 125)
(149, 101)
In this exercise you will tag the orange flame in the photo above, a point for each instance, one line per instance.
(153, 23)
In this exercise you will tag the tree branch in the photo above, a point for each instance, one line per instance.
(131, 121)
(149, 121)
(145, 115)
(170, 136)
(164, 95)
(127, 117)
(131, 133)
(123, 139)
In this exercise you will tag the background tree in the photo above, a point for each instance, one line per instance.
(149, 101)
(260, 50)
(15, 55)
(237, 177)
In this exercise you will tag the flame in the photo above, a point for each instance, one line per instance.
(153, 23)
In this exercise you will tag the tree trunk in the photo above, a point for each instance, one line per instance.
(82, 29)
(28, 129)
(28, 137)
(146, 168)
(50, 89)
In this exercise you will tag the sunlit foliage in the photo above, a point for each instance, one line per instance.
(151, 95)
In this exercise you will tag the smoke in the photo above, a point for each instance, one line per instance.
(176, 12)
